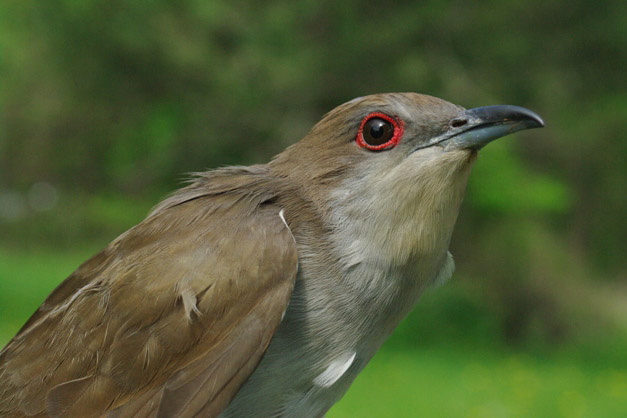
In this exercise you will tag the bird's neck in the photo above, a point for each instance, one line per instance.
(396, 219)
(384, 235)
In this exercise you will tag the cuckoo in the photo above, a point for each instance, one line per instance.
(261, 291)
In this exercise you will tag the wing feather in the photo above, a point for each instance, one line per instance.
(169, 320)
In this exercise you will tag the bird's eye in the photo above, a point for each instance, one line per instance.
(379, 131)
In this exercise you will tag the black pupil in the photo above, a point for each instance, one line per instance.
(377, 131)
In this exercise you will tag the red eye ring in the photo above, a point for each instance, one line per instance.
(397, 123)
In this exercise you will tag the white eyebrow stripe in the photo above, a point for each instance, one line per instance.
(335, 370)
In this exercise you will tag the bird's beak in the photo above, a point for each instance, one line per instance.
(474, 128)
(479, 126)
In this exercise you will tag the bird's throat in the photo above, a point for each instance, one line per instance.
(407, 213)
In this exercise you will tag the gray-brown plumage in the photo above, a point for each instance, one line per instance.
(312, 259)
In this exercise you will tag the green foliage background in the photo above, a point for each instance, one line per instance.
(104, 106)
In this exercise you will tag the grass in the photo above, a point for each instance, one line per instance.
(444, 379)
(26, 278)
(461, 382)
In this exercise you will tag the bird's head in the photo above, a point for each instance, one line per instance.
(398, 137)
(387, 158)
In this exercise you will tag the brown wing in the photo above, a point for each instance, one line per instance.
(169, 320)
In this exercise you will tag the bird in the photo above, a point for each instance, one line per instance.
(262, 290)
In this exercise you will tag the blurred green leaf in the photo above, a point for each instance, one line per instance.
(502, 183)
